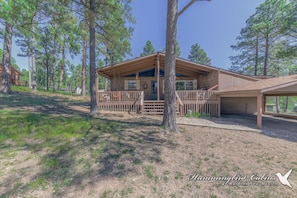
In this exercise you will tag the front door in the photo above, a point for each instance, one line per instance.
(154, 90)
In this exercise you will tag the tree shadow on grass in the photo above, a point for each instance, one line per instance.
(108, 149)
(43, 104)
(28, 99)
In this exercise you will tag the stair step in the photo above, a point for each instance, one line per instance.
(154, 108)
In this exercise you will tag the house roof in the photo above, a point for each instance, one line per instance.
(12, 68)
(183, 66)
(278, 86)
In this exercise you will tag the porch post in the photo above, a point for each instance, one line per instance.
(259, 110)
(219, 105)
(158, 76)
(264, 104)
(142, 102)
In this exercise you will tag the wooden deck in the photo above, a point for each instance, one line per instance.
(204, 102)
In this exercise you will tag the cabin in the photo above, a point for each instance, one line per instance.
(14, 77)
(138, 85)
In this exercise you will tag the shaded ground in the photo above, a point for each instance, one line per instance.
(122, 155)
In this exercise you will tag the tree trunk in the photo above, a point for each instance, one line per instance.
(277, 104)
(287, 104)
(62, 66)
(93, 88)
(29, 68)
(169, 117)
(54, 62)
(47, 75)
(266, 55)
(257, 54)
(6, 60)
(34, 87)
(84, 65)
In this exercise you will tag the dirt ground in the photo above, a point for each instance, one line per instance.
(172, 163)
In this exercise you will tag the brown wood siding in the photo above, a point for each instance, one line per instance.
(14, 77)
(118, 84)
(207, 81)
(239, 105)
(228, 81)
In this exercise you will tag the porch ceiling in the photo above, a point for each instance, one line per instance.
(143, 63)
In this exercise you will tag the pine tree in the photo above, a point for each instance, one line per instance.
(148, 49)
(106, 22)
(261, 39)
(198, 55)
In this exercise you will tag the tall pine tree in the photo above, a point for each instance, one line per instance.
(198, 55)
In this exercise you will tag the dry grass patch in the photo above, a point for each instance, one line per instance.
(119, 155)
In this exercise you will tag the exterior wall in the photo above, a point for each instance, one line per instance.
(208, 81)
(118, 84)
(14, 78)
(240, 105)
(228, 80)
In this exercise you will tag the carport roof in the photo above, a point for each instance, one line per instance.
(284, 85)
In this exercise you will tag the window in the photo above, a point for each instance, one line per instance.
(189, 85)
(180, 85)
(132, 85)
(185, 85)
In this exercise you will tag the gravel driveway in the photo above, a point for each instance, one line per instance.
(272, 126)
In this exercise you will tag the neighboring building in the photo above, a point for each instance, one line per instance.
(14, 77)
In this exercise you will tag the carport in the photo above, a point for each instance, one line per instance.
(280, 86)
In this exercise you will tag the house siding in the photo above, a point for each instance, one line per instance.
(118, 84)
(228, 81)
(14, 77)
(209, 80)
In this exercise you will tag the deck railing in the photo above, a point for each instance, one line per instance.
(179, 104)
(112, 96)
(196, 95)
(202, 101)
(120, 100)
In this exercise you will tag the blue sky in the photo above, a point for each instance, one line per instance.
(213, 24)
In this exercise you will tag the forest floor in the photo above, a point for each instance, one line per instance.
(50, 147)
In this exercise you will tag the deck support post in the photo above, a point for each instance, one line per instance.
(259, 110)
(264, 104)
(142, 102)
(219, 105)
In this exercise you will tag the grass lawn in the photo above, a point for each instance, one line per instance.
(50, 147)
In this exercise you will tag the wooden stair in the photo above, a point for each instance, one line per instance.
(154, 107)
